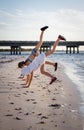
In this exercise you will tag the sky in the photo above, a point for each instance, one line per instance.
(22, 19)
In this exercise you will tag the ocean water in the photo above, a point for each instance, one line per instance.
(73, 67)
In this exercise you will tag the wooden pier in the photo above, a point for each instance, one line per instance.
(15, 46)
(15, 50)
(72, 49)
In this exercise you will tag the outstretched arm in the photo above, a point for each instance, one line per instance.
(30, 79)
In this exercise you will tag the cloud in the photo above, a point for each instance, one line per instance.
(67, 21)
(6, 14)
(4, 26)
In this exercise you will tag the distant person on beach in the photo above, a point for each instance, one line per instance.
(39, 61)
(34, 53)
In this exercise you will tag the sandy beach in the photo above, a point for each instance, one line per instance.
(41, 106)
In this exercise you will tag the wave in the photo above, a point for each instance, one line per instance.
(80, 64)
(6, 59)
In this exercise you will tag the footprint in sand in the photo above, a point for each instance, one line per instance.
(44, 117)
(32, 99)
(39, 114)
(25, 93)
(56, 106)
(63, 122)
(28, 100)
(34, 102)
(42, 122)
(11, 103)
(26, 114)
(16, 95)
(31, 91)
(18, 109)
(29, 127)
(53, 99)
(44, 88)
(17, 118)
(9, 115)
(55, 125)
(49, 91)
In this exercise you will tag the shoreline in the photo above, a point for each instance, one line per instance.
(79, 91)
(41, 106)
(73, 86)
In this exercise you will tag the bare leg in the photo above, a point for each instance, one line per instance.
(31, 77)
(47, 62)
(28, 78)
(55, 45)
(47, 54)
(44, 72)
(47, 74)
(41, 37)
(50, 63)
(27, 62)
(40, 41)
(53, 64)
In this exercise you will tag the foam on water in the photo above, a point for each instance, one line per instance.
(74, 68)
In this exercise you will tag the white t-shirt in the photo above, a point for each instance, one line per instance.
(36, 63)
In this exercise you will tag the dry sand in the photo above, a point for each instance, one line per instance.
(41, 106)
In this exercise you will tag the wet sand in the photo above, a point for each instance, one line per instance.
(41, 106)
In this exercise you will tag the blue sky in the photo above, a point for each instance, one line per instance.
(22, 19)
